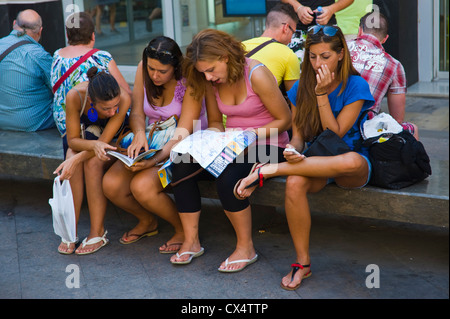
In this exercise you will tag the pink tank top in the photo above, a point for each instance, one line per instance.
(251, 113)
(155, 113)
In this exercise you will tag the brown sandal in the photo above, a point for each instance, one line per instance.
(259, 181)
(295, 268)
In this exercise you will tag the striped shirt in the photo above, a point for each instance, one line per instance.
(25, 89)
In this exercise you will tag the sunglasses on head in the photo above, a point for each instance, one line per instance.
(162, 55)
(328, 30)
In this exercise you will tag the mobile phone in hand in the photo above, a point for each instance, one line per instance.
(293, 150)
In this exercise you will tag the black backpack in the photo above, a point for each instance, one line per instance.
(398, 162)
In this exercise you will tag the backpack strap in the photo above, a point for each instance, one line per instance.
(73, 68)
(14, 46)
(259, 47)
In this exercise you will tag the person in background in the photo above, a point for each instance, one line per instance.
(155, 14)
(330, 94)
(98, 12)
(247, 92)
(385, 75)
(281, 22)
(81, 39)
(159, 92)
(96, 113)
(308, 14)
(348, 18)
(25, 89)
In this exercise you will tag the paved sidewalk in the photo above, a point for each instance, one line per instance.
(413, 261)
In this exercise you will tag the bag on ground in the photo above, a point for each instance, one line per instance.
(63, 210)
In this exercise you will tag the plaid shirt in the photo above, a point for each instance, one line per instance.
(383, 73)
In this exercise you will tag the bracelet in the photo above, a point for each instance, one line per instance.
(322, 94)
(299, 7)
(322, 105)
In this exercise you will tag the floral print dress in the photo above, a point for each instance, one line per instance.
(60, 65)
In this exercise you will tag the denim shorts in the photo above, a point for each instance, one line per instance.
(331, 180)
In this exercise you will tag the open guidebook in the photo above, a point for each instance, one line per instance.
(214, 150)
(131, 161)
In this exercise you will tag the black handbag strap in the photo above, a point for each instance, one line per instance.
(14, 46)
(259, 47)
(363, 114)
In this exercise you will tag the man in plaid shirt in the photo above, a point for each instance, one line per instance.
(384, 74)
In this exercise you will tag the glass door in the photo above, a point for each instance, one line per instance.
(441, 47)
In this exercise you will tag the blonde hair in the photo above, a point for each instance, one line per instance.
(212, 45)
(307, 118)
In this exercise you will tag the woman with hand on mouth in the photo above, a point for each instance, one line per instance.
(247, 93)
(330, 94)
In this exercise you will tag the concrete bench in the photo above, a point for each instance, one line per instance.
(37, 154)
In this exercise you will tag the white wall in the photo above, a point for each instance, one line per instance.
(425, 40)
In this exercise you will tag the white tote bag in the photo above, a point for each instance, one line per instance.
(63, 210)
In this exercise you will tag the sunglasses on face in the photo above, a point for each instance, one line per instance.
(328, 30)
(163, 56)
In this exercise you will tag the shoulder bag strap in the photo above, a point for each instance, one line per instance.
(72, 68)
(14, 46)
(259, 47)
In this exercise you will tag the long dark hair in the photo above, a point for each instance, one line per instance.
(307, 118)
(102, 85)
(166, 51)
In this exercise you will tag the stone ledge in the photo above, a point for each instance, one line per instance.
(37, 154)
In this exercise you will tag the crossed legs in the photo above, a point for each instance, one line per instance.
(308, 176)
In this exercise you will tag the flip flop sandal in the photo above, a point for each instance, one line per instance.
(192, 255)
(247, 261)
(258, 181)
(68, 245)
(139, 237)
(295, 268)
(93, 241)
(166, 245)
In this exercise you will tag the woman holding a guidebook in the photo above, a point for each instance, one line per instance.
(96, 111)
(247, 93)
(159, 92)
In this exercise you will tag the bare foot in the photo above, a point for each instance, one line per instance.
(293, 280)
(247, 256)
(255, 178)
(172, 245)
(192, 247)
(66, 249)
(142, 229)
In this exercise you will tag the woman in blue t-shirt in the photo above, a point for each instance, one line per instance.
(330, 94)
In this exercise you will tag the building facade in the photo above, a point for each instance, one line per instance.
(419, 29)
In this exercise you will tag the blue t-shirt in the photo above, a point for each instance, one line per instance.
(357, 89)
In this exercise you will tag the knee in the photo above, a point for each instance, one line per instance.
(93, 164)
(143, 189)
(110, 185)
(296, 185)
(352, 162)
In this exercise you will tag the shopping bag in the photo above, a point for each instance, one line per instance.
(63, 210)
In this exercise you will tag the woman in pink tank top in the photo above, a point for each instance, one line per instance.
(247, 93)
(159, 92)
